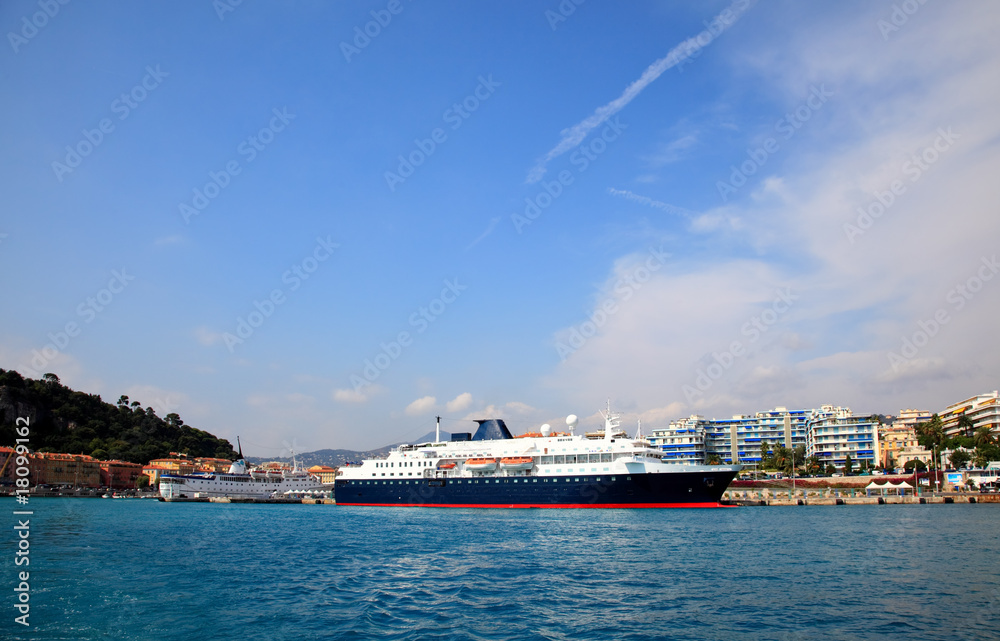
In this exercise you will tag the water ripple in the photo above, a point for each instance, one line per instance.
(139, 570)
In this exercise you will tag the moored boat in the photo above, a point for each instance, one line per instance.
(239, 482)
(552, 469)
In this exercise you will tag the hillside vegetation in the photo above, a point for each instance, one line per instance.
(64, 420)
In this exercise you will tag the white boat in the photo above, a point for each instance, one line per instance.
(239, 483)
(542, 468)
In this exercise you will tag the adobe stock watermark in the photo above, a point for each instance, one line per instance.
(21, 471)
(454, 116)
(293, 277)
(957, 298)
(249, 149)
(30, 27)
(753, 329)
(87, 310)
(785, 128)
(623, 290)
(913, 169)
(363, 36)
(581, 159)
(122, 106)
(420, 320)
(564, 10)
(898, 17)
(222, 7)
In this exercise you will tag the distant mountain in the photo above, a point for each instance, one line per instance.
(336, 458)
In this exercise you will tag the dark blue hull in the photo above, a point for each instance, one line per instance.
(680, 489)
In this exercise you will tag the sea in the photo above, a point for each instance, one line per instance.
(144, 570)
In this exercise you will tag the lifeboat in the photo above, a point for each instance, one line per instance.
(481, 464)
(530, 435)
(446, 466)
(516, 463)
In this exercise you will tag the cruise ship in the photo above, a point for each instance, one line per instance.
(240, 483)
(544, 469)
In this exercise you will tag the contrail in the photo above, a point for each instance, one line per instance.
(573, 136)
(645, 200)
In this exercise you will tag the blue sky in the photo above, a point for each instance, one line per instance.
(284, 230)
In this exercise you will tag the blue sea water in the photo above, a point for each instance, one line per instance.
(145, 570)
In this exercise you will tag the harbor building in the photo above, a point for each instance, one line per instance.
(739, 439)
(120, 475)
(77, 470)
(983, 410)
(897, 441)
(325, 473)
(683, 441)
(834, 433)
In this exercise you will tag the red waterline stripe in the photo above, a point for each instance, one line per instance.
(541, 505)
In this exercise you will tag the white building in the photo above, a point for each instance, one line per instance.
(982, 410)
(834, 433)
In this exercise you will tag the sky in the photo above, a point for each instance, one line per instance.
(322, 224)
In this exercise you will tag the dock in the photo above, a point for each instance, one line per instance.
(860, 500)
(224, 499)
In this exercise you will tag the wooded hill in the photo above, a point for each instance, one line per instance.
(64, 420)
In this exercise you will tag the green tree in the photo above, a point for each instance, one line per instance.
(959, 459)
(965, 425)
(813, 465)
(984, 436)
(782, 459)
(915, 463)
(798, 455)
(713, 459)
(983, 454)
(142, 482)
(765, 458)
(830, 469)
(848, 465)
(930, 434)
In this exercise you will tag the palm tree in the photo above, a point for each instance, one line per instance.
(930, 435)
(984, 436)
(764, 451)
(965, 425)
(713, 459)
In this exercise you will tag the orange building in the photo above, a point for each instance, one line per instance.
(120, 475)
(325, 473)
(77, 470)
(161, 465)
(218, 465)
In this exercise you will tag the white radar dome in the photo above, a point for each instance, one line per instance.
(572, 421)
(546, 429)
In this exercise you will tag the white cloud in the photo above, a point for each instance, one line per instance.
(857, 302)
(421, 406)
(206, 336)
(361, 395)
(459, 403)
